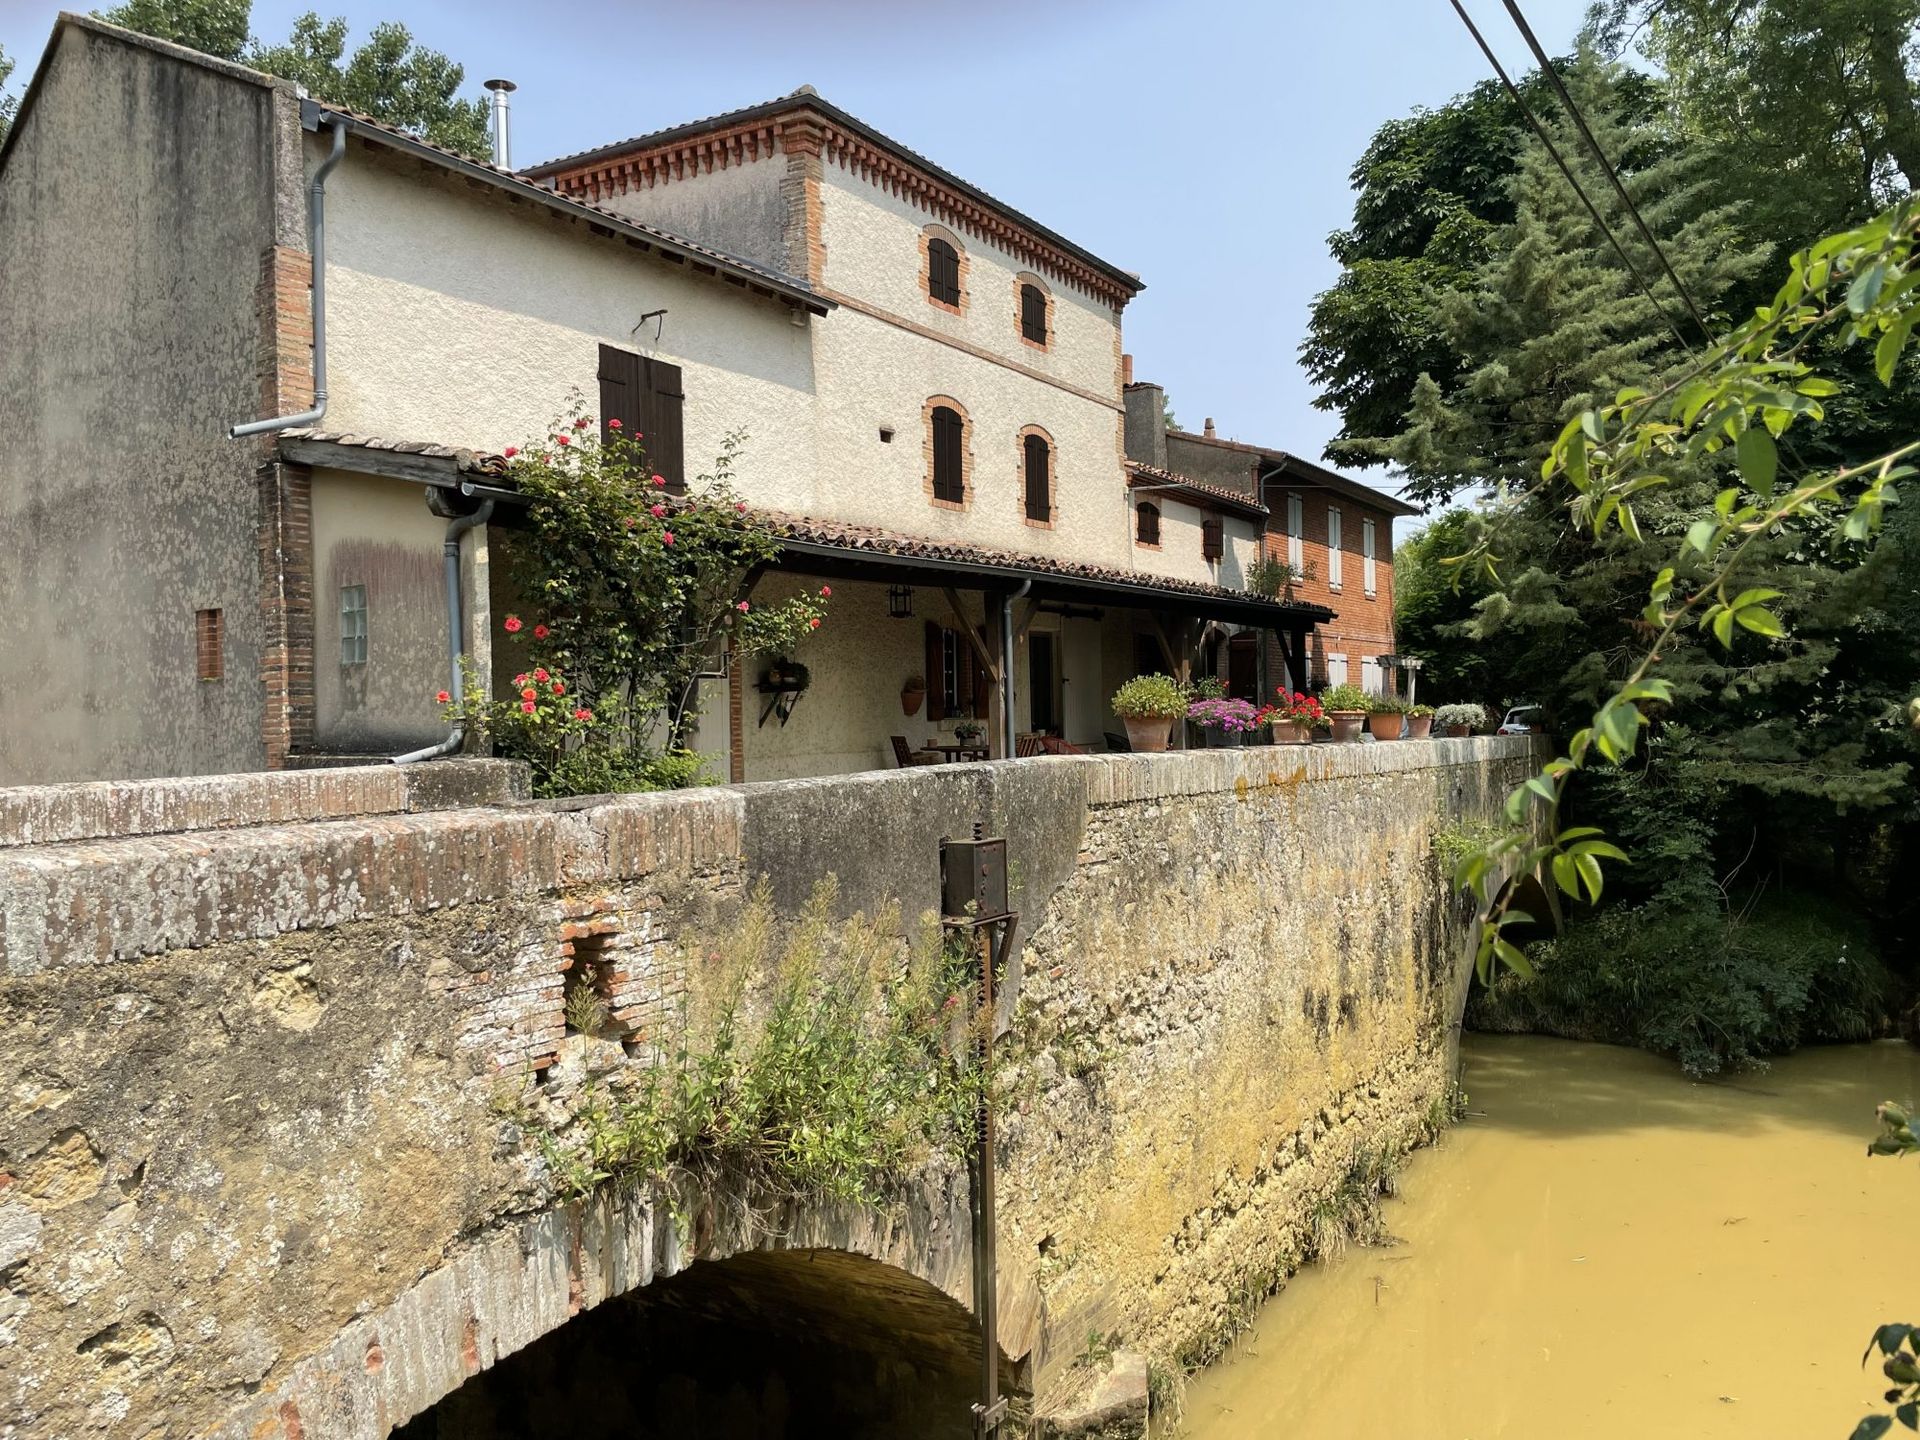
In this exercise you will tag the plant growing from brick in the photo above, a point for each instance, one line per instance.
(637, 590)
(833, 1059)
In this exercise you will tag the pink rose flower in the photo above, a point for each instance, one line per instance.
(511, 625)
(666, 537)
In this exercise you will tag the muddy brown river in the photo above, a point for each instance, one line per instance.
(1605, 1249)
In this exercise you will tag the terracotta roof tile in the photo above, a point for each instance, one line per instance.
(1201, 491)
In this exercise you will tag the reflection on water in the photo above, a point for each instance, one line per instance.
(1605, 1249)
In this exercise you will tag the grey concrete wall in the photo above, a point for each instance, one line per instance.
(1146, 424)
(137, 198)
(1212, 463)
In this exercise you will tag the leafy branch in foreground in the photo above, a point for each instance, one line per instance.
(1736, 402)
(1899, 1344)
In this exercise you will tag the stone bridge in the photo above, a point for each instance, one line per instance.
(259, 1037)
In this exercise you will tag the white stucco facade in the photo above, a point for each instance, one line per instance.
(457, 318)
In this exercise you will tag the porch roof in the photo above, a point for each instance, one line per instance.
(839, 549)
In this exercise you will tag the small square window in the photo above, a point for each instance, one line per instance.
(353, 624)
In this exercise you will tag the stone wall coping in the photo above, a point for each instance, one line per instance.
(154, 890)
(118, 809)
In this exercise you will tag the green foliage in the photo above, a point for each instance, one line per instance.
(1387, 705)
(390, 77)
(1687, 977)
(1150, 697)
(219, 28)
(1270, 576)
(1899, 1345)
(825, 1062)
(636, 592)
(9, 105)
(1344, 697)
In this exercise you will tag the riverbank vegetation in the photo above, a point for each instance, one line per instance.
(1749, 746)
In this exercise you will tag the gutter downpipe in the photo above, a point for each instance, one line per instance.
(1006, 667)
(456, 636)
(317, 249)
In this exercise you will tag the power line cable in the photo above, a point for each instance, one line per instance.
(1560, 160)
(1613, 176)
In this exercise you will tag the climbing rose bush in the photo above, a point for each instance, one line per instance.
(634, 592)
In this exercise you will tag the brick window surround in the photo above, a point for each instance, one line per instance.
(937, 402)
(1021, 448)
(1021, 284)
(928, 234)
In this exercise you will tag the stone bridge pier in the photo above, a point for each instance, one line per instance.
(262, 1176)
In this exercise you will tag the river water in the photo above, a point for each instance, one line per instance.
(1605, 1248)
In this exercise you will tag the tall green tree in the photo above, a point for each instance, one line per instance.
(1812, 106)
(391, 77)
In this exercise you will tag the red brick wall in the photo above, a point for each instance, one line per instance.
(1363, 625)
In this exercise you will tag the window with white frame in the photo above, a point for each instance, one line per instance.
(1336, 669)
(1296, 533)
(1333, 547)
(353, 624)
(1369, 576)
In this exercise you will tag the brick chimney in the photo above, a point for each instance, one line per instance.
(1208, 432)
(1126, 369)
(1146, 423)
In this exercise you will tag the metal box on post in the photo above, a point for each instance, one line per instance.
(973, 878)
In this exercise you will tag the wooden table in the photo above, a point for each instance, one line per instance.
(977, 751)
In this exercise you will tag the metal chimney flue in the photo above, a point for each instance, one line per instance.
(502, 152)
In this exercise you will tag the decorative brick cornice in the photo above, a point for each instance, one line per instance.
(698, 155)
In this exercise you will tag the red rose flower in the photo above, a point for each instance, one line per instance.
(826, 592)
(814, 624)
(511, 625)
(583, 715)
(741, 506)
(657, 511)
(528, 694)
(540, 673)
(563, 439)
(613, 424)
(527, 705)
(540, 632)
(443, 697)
(509, 453)
(580, 422)
(559, 687)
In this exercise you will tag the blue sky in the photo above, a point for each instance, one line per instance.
(1203, 144)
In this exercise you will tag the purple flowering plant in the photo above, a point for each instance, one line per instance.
(1234, 716)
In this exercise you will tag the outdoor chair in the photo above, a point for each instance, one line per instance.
(906, 757)
(1025, 746)
(1116, 743)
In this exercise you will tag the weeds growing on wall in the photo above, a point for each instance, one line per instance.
(826, 1060)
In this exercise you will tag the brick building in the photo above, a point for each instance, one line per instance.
(1333, 532)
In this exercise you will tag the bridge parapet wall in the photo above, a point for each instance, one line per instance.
(255, 1072)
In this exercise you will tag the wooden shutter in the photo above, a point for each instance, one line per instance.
(936, 672)
(620, 390)
(947, 482)
(1039, 483)
(943, 272)
(1212, 537)
(1033, 313)
(1149, 523)
(662, 404)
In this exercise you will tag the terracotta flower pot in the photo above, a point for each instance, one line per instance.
(1291, 732)
(1459, 732)
(1147, 732)
(910, 700)
(1346, 725)
(1385, 727)
(1419, 726)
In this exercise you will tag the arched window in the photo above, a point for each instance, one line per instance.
(943, 271)
(1149, 516)
(949, 478)
(1033, 313)
(1038, 457)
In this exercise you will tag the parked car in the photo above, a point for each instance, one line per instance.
(1522, 720)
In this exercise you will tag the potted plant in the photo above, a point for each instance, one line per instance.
(1386, 716)
(1148, 705)
(912, 692)
(1346, 708)
(1459, 720)
(1294, 717)
(1223, 721)
(968, 732)
(1419, 722)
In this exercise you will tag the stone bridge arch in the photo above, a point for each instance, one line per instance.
(848, 1272)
